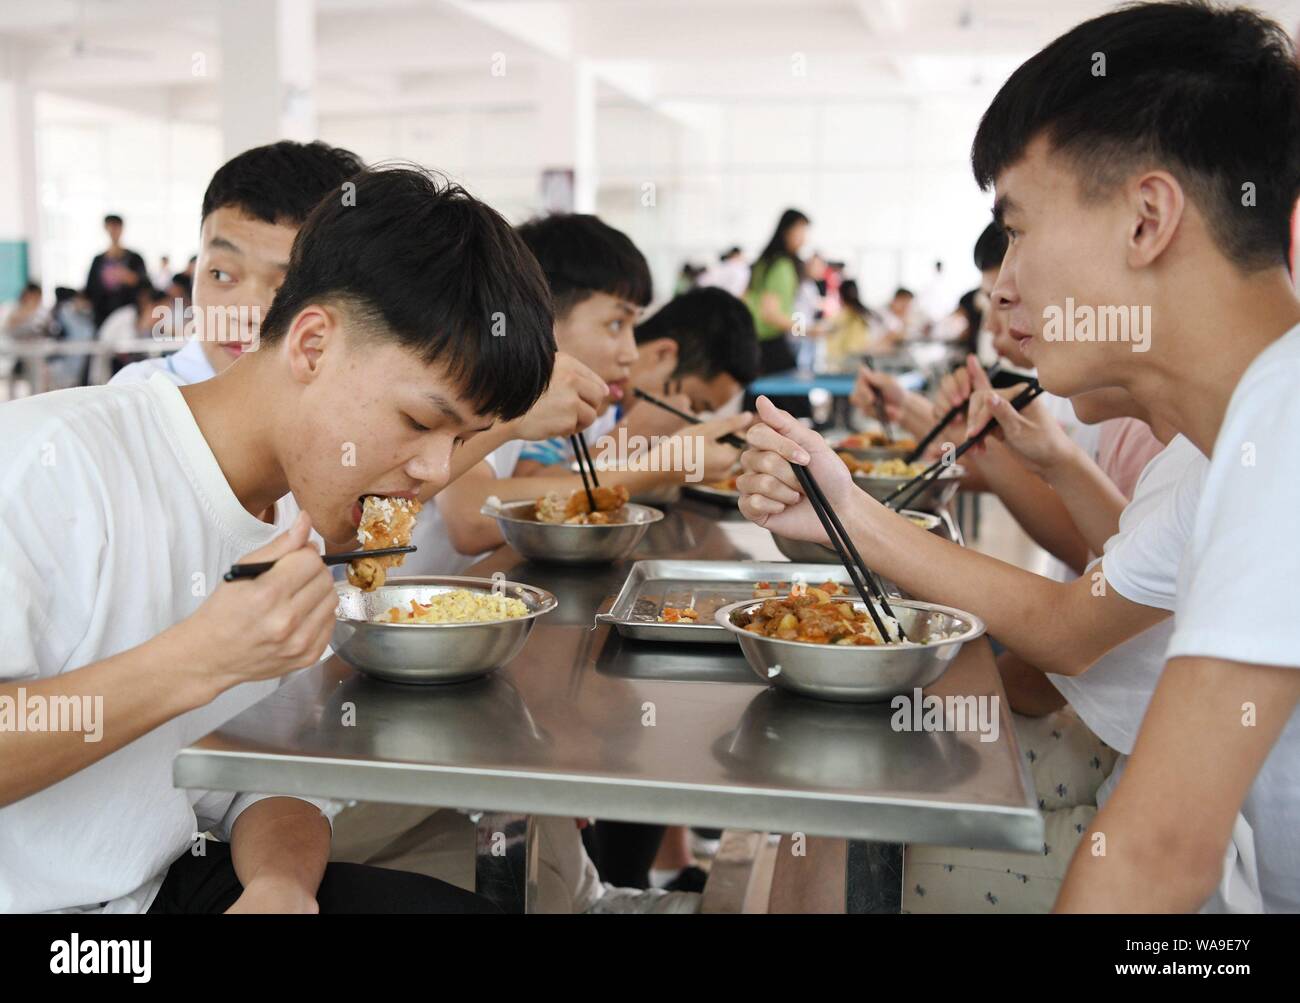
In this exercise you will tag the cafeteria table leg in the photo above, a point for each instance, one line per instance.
(532, 841)
(501, 858)
(873, 877)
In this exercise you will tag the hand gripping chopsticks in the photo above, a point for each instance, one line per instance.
(905, 493)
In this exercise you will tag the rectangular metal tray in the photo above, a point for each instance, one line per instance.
(703, 585)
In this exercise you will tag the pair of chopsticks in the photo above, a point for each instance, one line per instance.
(862, 577)
(948, 418)
(238, 571)
(731, 439)
(879, 402)
(905, 493)
(585, 467)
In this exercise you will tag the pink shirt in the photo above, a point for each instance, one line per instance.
(1126, 446)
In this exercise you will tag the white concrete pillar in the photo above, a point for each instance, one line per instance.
(268, 72)
(19, 199)
(567, 135)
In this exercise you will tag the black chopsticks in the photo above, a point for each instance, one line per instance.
(585, 467)
(862, 577)
(238, 571)
(901, 496)
(919, 450)
(731, 439)
(879, 403)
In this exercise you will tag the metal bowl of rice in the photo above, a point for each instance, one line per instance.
(459, 628)
(936, 494)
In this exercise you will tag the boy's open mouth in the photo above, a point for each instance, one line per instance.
(361, 501)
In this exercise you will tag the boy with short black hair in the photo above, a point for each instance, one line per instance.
(600, 283)
(380, 340)
(252, 210)
(1121, 187)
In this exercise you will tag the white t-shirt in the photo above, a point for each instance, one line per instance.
(184, 366)
(1237, 597)
(115, 521)
(190, 365)
(1141, 564)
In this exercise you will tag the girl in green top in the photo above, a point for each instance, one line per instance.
(773, 284)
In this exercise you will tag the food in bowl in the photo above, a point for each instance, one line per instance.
(459, 606)
(823, 615)
(812, 616)
(881, 468)
(385, 522)
(575, 510)
(874, 440)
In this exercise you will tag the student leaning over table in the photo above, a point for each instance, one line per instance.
(1140, 225)
(119, 503)
(252, 210)
(600, 283)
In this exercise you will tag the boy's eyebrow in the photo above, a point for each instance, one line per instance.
(1002, 205)
(449, 412)
(223, 244)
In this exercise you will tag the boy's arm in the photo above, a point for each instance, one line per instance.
(459, 504)
(139, 690)
(279, 847)
(1061, 628)
(219, 646)
(1157, 845)
(1093, 501)
(1039, 510)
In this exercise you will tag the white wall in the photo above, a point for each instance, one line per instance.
(93, 160)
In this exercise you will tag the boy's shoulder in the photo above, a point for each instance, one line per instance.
(86, 420)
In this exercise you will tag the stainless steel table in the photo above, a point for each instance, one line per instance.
(586, 723)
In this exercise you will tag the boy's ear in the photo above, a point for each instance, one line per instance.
(1157, 203)
(313, 330)
(662, 353)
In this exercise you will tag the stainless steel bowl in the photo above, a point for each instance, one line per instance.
(933, 497)
(853, 673)
(804, 552)
(429, 653)
(564, 544)
(876, 452)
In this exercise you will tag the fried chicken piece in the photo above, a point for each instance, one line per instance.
(385, 522)
(576, 510)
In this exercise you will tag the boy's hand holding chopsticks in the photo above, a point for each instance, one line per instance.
(770, 494)
(1036, 438)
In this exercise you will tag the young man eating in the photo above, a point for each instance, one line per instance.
(599, 284)
(1144, 186)
(122, 506)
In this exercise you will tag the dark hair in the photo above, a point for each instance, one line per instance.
(185, 282)
(420, 261)
(904, 291)
(581, 256)
(968, 308)
(776, 247)
(32, 287)
(714, 333)
(1210, 93)
(113, 217)
(280, 182)
(852, 300)
(990, 248)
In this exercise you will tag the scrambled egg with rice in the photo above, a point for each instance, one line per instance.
(460, 606)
